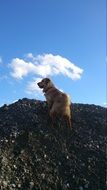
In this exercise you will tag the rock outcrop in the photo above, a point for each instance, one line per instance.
(35, 156)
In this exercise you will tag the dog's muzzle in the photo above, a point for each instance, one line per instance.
(40, 85)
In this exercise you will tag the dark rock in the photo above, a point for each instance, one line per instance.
(35, 156)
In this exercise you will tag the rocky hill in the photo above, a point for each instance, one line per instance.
(35, 156)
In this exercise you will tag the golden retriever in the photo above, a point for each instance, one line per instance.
(58, 102)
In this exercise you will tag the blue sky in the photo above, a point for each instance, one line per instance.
(61, 39)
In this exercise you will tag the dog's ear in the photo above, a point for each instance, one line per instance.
(47, 80)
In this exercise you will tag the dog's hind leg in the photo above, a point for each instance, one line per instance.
(53, 117)
(68, 121)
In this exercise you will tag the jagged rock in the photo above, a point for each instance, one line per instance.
(35, 156)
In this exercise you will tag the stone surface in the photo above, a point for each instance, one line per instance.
(35, 156)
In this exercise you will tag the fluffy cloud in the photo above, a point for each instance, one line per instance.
(40, 66)
(21, 68)
(43, 66)
(32, 87)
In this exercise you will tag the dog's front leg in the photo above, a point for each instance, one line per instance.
(53, 116)
(50, 103)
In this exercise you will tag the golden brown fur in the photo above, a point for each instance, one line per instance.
(58, 102)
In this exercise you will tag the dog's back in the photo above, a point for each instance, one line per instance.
(60, 101)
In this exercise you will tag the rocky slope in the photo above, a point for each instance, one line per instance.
(35, 156)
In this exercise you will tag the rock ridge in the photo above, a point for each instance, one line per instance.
(35, 156)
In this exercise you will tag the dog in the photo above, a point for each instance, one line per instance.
(59, 103)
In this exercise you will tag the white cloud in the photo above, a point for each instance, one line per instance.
(30, 55)
(20, 68)
(32, 87)
(43, 66)
(105, 104)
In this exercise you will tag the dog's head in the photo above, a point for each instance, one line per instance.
(45, 84)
